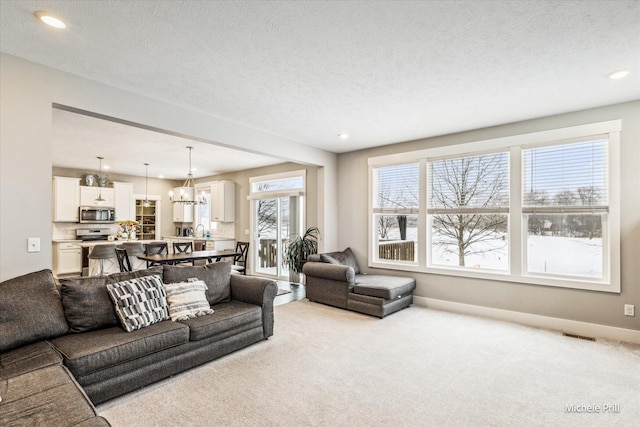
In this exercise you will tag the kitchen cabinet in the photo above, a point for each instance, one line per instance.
(123, 201)
(88, 196)
(66, 199)
(182, 212)
(223, 201)
(67, 258)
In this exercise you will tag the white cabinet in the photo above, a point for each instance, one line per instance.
(67, 258)
(223, 201)
(66, 199)
(88, 196)
(182, 212)
(123, 201)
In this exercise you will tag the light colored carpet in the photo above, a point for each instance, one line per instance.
(419, 367)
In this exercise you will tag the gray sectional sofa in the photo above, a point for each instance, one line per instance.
(63, 348)
(334, 278)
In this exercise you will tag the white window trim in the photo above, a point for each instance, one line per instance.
(514, 143)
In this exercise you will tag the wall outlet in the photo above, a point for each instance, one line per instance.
(33, 244)
(629, 310)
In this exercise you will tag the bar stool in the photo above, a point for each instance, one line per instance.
(102, 252)
(133, 250)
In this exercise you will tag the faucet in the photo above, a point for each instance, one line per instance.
(197, 233)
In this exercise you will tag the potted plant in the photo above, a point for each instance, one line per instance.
(298, 250)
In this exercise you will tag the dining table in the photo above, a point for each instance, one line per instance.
(188, 256)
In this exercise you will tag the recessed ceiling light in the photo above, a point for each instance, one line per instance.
(343, 135)
(49, 19)
(618, 74)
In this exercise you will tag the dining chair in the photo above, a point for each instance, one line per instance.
(183, 248)
(155, 248)
(240, 260)
(123, 259)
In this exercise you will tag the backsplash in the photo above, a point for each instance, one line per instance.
(67, 230)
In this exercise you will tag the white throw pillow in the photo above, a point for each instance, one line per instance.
(187, 300)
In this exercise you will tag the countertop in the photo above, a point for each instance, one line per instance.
(212, 238)
(92, 243)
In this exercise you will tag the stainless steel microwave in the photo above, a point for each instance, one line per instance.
(97, 214)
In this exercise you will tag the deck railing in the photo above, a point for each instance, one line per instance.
(397, 250)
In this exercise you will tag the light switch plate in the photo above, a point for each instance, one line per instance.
(33, 244)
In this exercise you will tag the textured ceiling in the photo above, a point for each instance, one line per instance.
(382, 71)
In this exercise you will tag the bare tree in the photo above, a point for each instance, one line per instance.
(465, 185)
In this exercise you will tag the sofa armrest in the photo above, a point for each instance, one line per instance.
(341, 273)
(258, 291)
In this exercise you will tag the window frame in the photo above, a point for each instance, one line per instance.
(514, 144)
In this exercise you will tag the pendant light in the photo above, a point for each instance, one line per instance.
(188, 195)
(99, 200)
(146, 202)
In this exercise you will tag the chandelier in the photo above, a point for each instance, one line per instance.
(188, 194)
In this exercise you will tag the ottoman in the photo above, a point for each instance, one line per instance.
(380, 296)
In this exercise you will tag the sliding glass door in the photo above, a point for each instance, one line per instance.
(277, 216)
(277, 220)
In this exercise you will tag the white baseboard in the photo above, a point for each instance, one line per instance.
(569, 326)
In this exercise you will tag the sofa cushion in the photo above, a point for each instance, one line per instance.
(386, 287)
(229, 318)
(96, 350)
(28, 358)
(187, 300)
(345, 257)
(139, 302)
(86, 302)
(216, 275)
(45, 397)
(314, 258)
(30, 310)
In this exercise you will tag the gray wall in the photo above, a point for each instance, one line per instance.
(585, 306)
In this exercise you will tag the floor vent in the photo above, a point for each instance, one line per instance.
(578, 336)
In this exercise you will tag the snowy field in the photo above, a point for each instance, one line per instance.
(571, 256)
(565, 255)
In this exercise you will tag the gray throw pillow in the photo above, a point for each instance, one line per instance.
(217, 276)
(86, 302)
(345, 257)
(30, 310)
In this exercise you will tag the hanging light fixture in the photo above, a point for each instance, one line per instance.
(146, 202)
(188, 195)
(99, 200)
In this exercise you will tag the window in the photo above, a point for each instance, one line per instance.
(395, 212)
(540, 208)
(564, 207)
(468, 211)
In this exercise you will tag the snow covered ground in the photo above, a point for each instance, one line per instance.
(571, 256)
